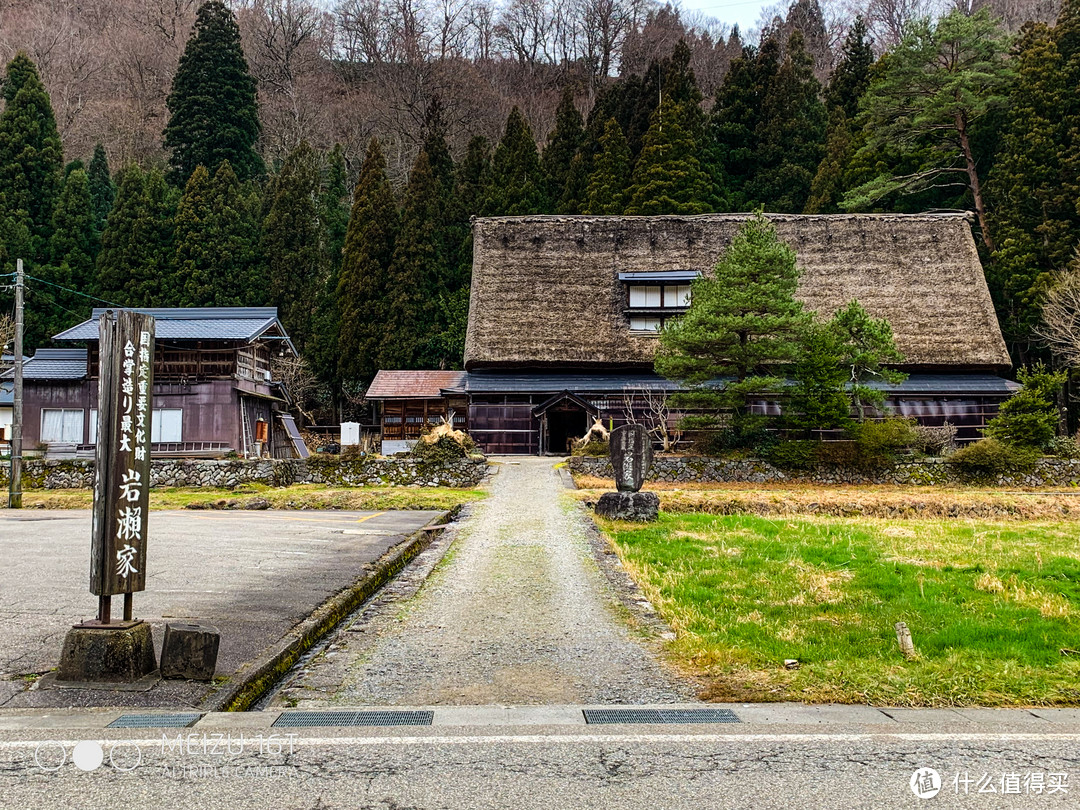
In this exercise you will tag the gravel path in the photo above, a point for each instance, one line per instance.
(520, 613)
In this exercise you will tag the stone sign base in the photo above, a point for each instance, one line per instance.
(189, 651)
(628, 506)
(97, 654)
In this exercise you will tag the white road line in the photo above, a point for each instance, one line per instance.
(555, 739)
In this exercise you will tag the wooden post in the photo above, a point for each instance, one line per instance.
(122, 480)
(15, 482)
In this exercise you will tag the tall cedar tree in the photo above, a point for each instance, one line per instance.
(1035, 221)
(563, 144)
(362, 284)
(669, 177)
(334, 217)
(217, 243)
(937, 84)
(736, 118)
(102, 190)
(670, 79)
(31, 156)
(213, 110)
(790, 134)
(138, 252)
(471, 188)
(293, 241)
(417, 276)
(613, 101)
(517, 183)
(610, 178)
(743, 323)
(847, 85)
(454, 220)
(75, 241)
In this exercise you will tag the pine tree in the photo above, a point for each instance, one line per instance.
(214, 114)
(937, 84)
(417, 276)
(743, 323)
(669, 177)
(851, 78)
(135, 265)
(610, 178)
(517, 186)
(817, 400)
(866, 346)
(790, 135)
(217, 242)
(563, 144)
(102, 190)
(369, 248)
(31, 155)
(293, 241)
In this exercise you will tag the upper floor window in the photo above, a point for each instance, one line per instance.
(657, 296)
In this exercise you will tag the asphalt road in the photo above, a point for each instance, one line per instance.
(253, 575)
(673, 767)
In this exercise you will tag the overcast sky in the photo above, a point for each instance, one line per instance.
(744, 13)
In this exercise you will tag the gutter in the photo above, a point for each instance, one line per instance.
(257, 677)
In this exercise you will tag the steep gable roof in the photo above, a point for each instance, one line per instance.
(53, 364)
(546, 289)
(196, 323)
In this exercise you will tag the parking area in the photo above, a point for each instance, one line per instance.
(253, 575)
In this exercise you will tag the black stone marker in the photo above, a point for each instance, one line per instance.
(189, 651)
(631, 454)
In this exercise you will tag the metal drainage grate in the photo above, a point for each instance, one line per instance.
(662, 716)
(377, 718)
(155, 720)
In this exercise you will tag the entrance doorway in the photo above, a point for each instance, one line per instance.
(565, 422)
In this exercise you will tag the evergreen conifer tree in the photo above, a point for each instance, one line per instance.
(817, 400)
(334, 216)
(790, 134)
(213, 110)
(217, 242)
(1034, 218)
(669, 177)
(743, 323)
(136, 261)
(610, 178)
(31, 156)
(362, 283)
(418, 275)
(517, 185)
(866, 346)
(102, 190)
(563, 144)
(293, 241)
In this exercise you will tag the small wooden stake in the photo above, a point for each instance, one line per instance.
(903, 638)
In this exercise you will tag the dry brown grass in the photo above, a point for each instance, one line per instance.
(855, 501)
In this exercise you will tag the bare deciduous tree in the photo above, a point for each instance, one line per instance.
(651, 409)
(1060, 328)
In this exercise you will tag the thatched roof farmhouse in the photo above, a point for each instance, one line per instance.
(563, 312)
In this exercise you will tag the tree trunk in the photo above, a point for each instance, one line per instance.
(973, 180)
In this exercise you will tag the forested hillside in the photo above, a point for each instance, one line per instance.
(326, 159)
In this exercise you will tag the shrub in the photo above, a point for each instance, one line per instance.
(984, 461)
(792, 455)
(842, 452)
(878, 442)
(1029, 418)
(1064, 447)
(934, 441)
(442, 443)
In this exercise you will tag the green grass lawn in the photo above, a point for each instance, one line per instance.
(990, 606)
(300, 496)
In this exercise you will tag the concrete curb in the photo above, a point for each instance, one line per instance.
(255, 678)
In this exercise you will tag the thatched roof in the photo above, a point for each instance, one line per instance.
(545, 289)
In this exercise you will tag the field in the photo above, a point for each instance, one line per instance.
(300, 496)
(993, 606)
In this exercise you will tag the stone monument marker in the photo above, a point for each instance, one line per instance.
(630, 449)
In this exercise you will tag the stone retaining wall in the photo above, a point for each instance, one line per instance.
(1048, 472)
(329, 470)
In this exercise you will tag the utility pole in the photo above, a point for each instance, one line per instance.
(15, 487)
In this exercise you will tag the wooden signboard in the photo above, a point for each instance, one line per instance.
(122, 482)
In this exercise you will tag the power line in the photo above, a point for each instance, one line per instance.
(76, 292)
